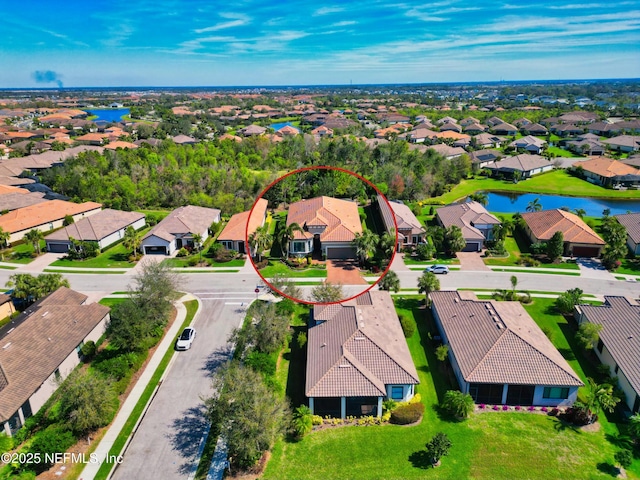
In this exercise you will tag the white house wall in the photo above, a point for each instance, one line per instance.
(407, 392)
(50, 385)
(629, 393)
(47, 227)
(154, 241)
(554, 402)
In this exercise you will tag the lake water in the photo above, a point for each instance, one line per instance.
(109, 114)
(517, 202)
(278, 126)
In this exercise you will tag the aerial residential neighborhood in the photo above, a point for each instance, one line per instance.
(303, 241)
(536, 315)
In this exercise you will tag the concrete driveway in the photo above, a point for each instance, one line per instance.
(345, 272)
(592, 268)
(168, 441)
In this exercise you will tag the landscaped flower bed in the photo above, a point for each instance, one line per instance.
(553, 411)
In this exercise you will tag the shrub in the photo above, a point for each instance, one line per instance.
(389, 405)
(183, 252)
(438, 447)
(53, 439)
(424, 251)
(408, 325)
(417, 398)
(317, 420)
(88, 350)
(407, 413)
(624, 458)
(301, 339)
(192, 262)
(261, 362)
(301, 421)
(457, 403)
(6, 443)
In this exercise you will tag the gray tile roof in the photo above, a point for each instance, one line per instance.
(523, 163)
(498, 342)
(405, 218)
(620, 320)
(97, 226)
(356, 348)
(36, 347)
(465, 215)
(185, 220)
(13, 201)
(631, 222)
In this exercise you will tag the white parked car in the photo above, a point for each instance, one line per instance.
(186, 339)
(437, 269)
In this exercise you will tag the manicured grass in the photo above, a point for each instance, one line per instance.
(6, 267)
(530, 291)
(118, 445)
(629, 266)
(181, 262)
(111, 302)
(440, 260)
(114, 257)
(276, 266)
(514, 254)
(556, 182)
(561, 152)
(491, 445)
(22, 253)
(549, 271)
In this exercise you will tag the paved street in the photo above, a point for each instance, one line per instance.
(166, 444)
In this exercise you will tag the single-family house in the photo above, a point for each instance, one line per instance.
(329, 226)
(498, 353)
(7, 307)
(481, 158)
(233, 234)
(322, 131)
(473, 219)
(487, 140)
(587, 144)
(357, 357)
(420, 135)
(529, 143)
(567, 129)
(474, 129)
(525, 163)
(178, 228)
(579, 239)
(624, 143)
(534, 129)
(608, 172)
(619, 344)
(104, 228)
(450, 127)
(42, 346)
(447, 151)
(184, 140)
(504, 129)
(410, 230)
(631, 221)
(44, 216)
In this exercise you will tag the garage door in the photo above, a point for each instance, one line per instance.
(471, 247)
(57, 247)
(340, 253)
(585, 251)
(155, 250)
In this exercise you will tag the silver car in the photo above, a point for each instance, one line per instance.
(437, 269)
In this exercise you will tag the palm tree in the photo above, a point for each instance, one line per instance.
(33, 237)
(428, 283)
(388, 244)
(197, 244)
(390, 282)
(534, 205)
(581, 212)
(285, 234)
(514, 283)
(364, 243)
(480, 197)
(301, 421)
(600, 397)
(132, 241)
(459, 404)
(260, 240)
(4, 238)
(634, 425)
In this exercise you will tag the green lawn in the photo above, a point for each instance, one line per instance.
(440, 260)
(22, 253)
(629, 266)
(516, 245)
(114, 257)
(180, 262)
(275, 266)
(487, 446)
(556, 182)
(561, 152)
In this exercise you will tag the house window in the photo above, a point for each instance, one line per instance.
(227, 244)
(57, 374)
(397, 392)
(600, 346)
(299, 247)
(556, 393)
(79, 350)
(615, 370)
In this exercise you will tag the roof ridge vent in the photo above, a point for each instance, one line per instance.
(6, 346)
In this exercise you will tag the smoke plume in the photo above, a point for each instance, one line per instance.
(47, 76)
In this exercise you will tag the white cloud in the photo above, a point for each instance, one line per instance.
(327, 10)
(235, 20)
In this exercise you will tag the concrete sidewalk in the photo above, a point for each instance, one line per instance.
(129, 404)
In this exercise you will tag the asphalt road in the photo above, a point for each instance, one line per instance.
(166, 444)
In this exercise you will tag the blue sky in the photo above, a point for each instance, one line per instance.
(184, 43)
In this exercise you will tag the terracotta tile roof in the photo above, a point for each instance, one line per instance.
(184, 220)
(97, 226)
(235, 228)
(631, 222)
(620, 320)
(356, 348)
(120, 144)
(341, 217)
(545, 223)
(450, 134)
(35, 348)
(498, 342)
(20, 134)
(607, 167)
(6, 189)
(465, 215)
(91, 137)
(43, 213)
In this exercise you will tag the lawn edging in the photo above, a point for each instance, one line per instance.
(137, 414)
